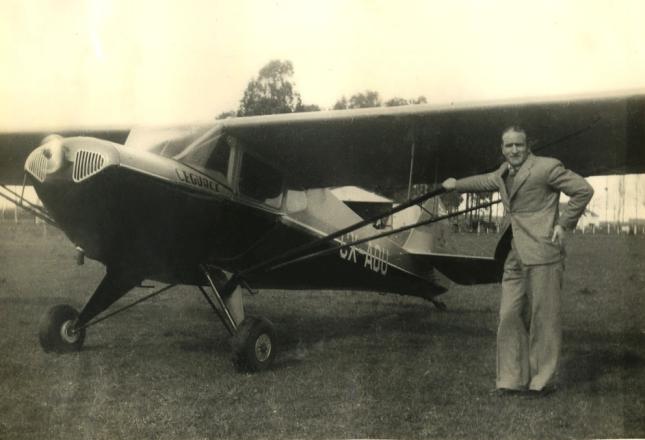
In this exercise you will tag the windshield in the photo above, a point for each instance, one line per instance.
(210, 154)
(168, 141)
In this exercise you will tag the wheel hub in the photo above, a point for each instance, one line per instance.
(263, 347)
(69, 333)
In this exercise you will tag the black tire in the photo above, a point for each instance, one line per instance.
(55, 330)
(254, 345)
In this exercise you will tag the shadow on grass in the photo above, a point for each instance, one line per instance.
(312, 330)
(589, 366)
(299, 335)
(204, 345)
(604, 357)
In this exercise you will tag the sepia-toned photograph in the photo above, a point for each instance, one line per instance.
(358, 219)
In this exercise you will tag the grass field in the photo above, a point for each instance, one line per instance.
(350, 365)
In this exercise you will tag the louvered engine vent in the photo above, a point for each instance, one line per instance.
(38, 167)
(86, 164)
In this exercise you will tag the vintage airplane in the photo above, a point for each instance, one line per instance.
(246, 202)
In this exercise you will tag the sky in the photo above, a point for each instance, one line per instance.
(73, 63)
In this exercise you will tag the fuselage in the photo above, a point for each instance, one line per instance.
(212, 203)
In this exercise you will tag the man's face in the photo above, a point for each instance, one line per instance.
(514, 148)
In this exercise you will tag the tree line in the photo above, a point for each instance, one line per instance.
(274, 91)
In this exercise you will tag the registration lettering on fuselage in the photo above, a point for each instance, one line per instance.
(375, 258)
(197, 180)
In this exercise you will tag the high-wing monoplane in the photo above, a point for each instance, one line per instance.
(246, 203)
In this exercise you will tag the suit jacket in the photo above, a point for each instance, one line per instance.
(532, 206)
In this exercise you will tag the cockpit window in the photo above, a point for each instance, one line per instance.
(261, 181)
(211, 155)
(167, 142)
(218, 160)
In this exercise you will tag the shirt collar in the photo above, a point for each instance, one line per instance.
(512, 171)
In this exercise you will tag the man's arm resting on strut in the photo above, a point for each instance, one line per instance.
(479, 183)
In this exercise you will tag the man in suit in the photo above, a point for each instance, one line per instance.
(532, 247)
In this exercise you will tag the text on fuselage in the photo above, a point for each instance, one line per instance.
(375, 258)
(197, 180)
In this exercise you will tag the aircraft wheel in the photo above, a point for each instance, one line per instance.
(56, 330)
(254, 345)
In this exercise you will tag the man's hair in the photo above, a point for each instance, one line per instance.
(517, 129)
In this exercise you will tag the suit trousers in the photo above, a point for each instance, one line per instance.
(529, 336)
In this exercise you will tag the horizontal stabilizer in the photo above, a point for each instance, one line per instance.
(465, 269)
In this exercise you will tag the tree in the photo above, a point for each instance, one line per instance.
(420, 100)
(307, 108)
(451, 200)
(369, 98)
(480, 199)
(364, 100)
(341, 104)
(394, 102)
(272, 91)
(228, 114)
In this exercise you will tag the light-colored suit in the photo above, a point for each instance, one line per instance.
(528, 353)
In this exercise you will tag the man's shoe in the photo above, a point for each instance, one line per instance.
(544, 392)
(506, 392)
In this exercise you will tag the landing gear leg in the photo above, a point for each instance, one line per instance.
(235, 304)
(252, 339)
(62, 328)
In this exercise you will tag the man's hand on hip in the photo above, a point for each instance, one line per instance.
(559, 235)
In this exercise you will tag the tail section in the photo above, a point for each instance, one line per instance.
(465, 269)
(430, 244)
(432, 237)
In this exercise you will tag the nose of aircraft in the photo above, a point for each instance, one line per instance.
(62, 171)
(46, 159)
(69, 159)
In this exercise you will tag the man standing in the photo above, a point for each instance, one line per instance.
(532, 245)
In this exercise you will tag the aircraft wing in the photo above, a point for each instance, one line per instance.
(373, 148)
(16, 146)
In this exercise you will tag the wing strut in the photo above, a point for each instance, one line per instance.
(380, 235)
(412, 148)
(18, 200)
(124, 308)
(306, 247)
(567, 136)
(307, 251)
(221, 311)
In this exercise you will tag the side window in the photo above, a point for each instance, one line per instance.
(211, 155)
(260, 181)
(218, 160)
